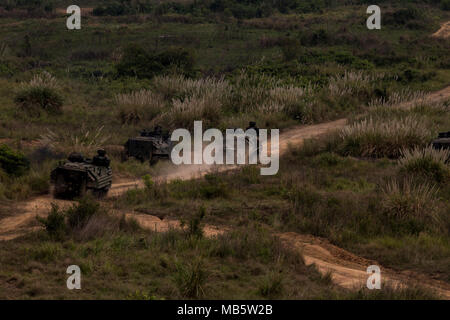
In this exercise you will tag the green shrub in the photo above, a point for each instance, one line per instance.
(13, 162)
(138, 105)
(136, 62)
(409, 206)
(190, 279)
(426, 162)
(55, 223)
(40, 94)
(403, 16)
(445, 5)
(213, 188)
(271, 286)
(194, 225)
(291, 49)
(33, 100)
(80, 213)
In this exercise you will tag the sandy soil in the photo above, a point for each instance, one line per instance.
(349, 270)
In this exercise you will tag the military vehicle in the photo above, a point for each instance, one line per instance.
(442, 141)
(149, 146)
(242, 136)
(73, 178)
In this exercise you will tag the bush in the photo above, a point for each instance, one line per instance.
(383, 138)
(190, 279)
(403, 16)
(55, 223)
(445, 5)
(13, 162)
(138, 105)
(412, 204)
(291, 49)
(136, 62)
(79, 214)
(194, 227)
(271, 286)
(33, 100)
(426, 162)
(39, 94)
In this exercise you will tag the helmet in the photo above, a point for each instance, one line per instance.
(252, 124)
(101, 152)
(76, 157)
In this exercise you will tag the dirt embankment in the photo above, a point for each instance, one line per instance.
(443, 32)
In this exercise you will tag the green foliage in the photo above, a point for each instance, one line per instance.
(190, 279)
(291, 49)
(373, 137)
(239, 9)
(194, 227)
(13, 162)
(136, 62)
(213, 188)
(55, 223)
(272, 285)
(445, 5)
(148, 182)
(80, 213)
(33, 100)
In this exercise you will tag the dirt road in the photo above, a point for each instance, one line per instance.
(347, 269)
(443, 32)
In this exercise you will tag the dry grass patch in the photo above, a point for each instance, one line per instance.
(383, 138)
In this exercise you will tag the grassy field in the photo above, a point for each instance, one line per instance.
(374, 188)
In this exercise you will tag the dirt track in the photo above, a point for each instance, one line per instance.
(443, 32)
(347, 269)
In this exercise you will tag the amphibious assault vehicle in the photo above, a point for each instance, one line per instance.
(73, 178)
(442, 141)
(149, 146)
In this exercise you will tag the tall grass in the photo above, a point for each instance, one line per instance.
(408, 200)
(426, 162)
(177, 101)
(138, 105)
(39, 94)
(383, 138)
(85, 141)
